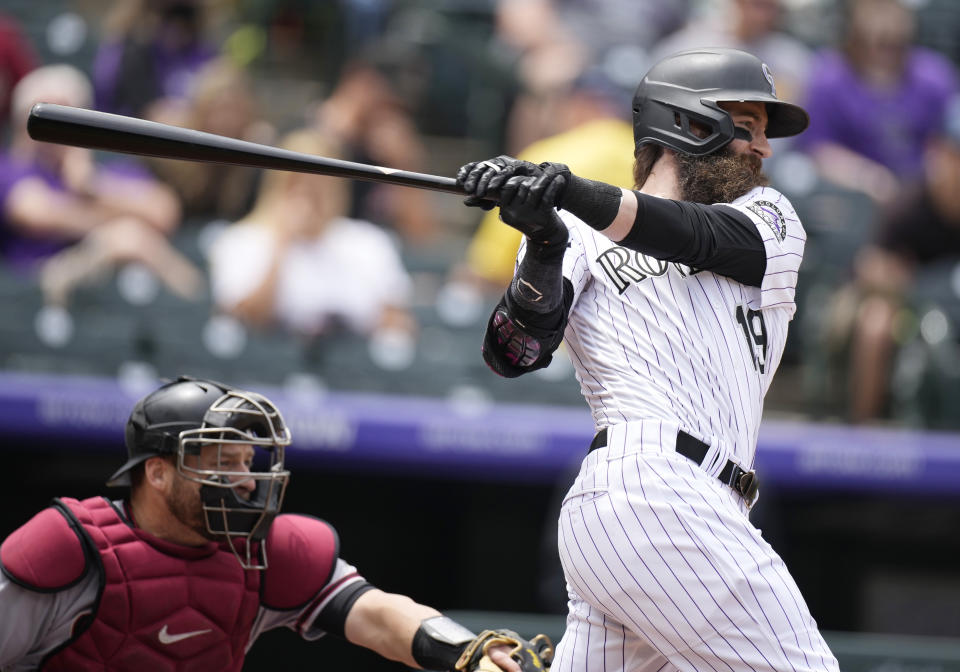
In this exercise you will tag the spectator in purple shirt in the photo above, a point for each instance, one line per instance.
(876, 101)
(152, 51)
(61, 212)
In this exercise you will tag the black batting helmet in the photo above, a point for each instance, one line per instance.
(156, 421)
(689, 85)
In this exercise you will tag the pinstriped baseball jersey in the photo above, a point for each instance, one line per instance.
(653, 339)
(664, 569)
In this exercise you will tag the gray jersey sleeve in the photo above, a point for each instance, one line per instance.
(325, 613)
(41, 622)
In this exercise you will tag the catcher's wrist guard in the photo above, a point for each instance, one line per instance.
(533, 656)
(439, 642)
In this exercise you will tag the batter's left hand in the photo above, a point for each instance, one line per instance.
(483, 178)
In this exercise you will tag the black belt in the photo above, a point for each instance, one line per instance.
(745, 483)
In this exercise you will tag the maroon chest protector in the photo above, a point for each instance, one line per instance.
(162, 606)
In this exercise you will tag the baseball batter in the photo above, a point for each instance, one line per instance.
(674, 301)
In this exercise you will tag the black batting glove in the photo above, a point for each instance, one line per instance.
(555, 177)
(528, 204)
(481, 179)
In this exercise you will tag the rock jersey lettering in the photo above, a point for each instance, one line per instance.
(625, 267)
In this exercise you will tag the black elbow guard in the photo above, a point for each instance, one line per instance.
(518, 341)
(509, 350)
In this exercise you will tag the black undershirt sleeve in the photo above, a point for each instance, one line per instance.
(716, 238)
(334, 616)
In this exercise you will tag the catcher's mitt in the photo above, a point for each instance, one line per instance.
(532, 656)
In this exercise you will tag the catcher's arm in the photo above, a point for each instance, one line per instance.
(385, 623)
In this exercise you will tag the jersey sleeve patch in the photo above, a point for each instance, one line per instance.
(301, 556)
(46, 554)
(783, 239)
(772, 216)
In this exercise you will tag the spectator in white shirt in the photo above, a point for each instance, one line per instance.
(296, 261)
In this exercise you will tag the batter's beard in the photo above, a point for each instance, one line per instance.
(185, 505)
(721, 177)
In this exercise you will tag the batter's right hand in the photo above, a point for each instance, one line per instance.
(485, 178)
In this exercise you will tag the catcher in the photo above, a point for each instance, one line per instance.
(187, 571)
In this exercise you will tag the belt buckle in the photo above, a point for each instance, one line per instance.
(748, 485)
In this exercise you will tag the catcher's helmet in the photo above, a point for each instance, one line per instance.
(689, 85)
(182, 417)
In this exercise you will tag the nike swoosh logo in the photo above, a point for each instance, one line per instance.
(167, 638)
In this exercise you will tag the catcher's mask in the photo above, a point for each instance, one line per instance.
(186, 416)
(689, 85)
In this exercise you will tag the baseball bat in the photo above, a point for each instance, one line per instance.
(117, 133)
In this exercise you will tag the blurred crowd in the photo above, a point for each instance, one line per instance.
(426, 85)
